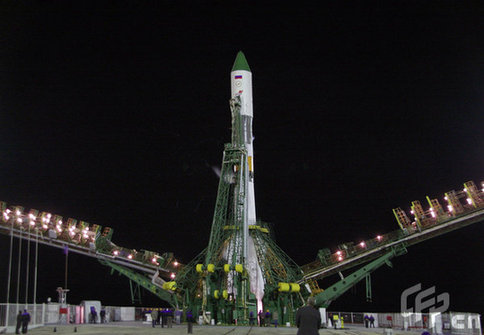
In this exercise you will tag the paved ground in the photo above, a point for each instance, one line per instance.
(132, 328)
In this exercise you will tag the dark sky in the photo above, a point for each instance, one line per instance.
(115, 114)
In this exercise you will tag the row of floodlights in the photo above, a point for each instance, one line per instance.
(154, 259)
(468, 198)
(339, 255)
(55, 224)
(46, 222)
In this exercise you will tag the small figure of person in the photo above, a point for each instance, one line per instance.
(267, 317)
(154, 317)
(372, 321)
(25, 321)
(164, 316)
(158, 319)
(367, 320)
(308, 319)
(275, 318)
(335, 320)
(93, 315)
(102, 314)
(261, 318)
(178, 316)
(19, 322)
(251, 318)
(169, 318)
(190, 321)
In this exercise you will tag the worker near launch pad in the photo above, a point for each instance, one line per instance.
(154, 317)
(261, 319)
(19, 322)
(25, 321)
(308, 319)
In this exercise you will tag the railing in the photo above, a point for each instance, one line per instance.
(426, 224)
(82, 238)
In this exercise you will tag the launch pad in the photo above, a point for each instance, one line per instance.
(242, 271)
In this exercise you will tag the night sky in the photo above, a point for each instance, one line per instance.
(117, 115)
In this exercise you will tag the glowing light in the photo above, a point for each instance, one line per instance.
(432, 213)
(59, 222)
(72, 233)
(45, 226)
(338, 253)
(411, 212)
(445, 198)
(130, 256)
(85, 236)
(32, 223)
(449, 207)
(19, 220)
(115, 252)
(32, 216)
(175, 263)
(17, 212)
(379, 237)
(172, 276)
(7, 211)
(340, 258)
(153, 259)
(469, 201)
(362, 244)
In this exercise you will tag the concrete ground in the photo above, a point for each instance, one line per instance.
(132, 328)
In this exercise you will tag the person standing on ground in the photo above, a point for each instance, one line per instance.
(102, 314)
(19, 322)
(154, 317)
(251, 318)
(275, 318)
(189, 316)
(261, 318)
(308, 319)
(372, 321)
(169, 318)
(25, 321)
(268, 318)
(163, 318)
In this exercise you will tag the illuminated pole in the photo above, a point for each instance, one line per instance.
(66, 250)
(35, 273)
(9, 274)
(19, 266)
(27, 271)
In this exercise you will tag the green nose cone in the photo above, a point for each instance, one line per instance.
(240, 63)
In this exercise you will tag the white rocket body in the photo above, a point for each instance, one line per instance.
(241, 81)
(241, 84)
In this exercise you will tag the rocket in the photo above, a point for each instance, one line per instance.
(241, 84)
(241, 87)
